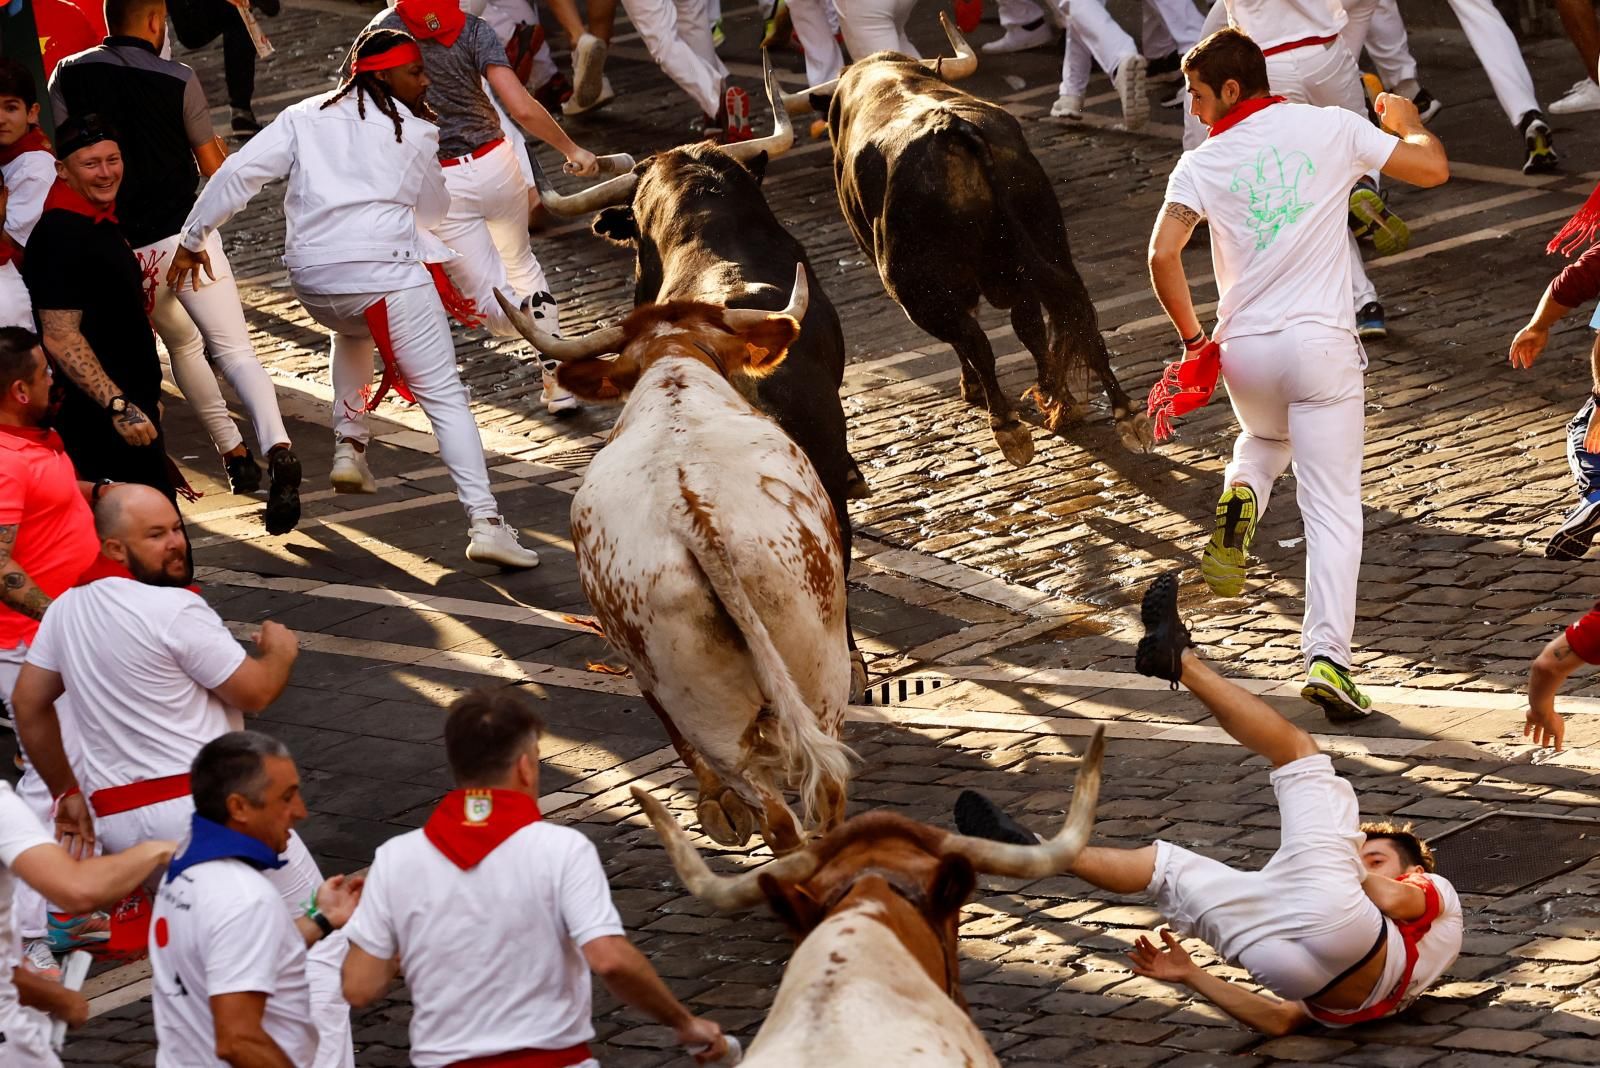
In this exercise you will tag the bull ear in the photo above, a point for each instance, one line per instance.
(953, 883)
(600, 379)
(757, 166)
(791, 904)
(766, 342)
(617, 224)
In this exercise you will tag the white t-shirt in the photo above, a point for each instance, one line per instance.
(220, 928)
(28, 181)
(491, 955)
(20, 831)
(1275, 22)
(140, 662)
(1275, 189)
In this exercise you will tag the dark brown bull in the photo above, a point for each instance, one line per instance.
(942, 191)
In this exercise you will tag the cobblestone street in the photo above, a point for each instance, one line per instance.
(995, 604)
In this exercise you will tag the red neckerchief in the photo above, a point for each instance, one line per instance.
(32, 141)
(66, 198)
(104, 567)
(468, 825)
(1183, 387)
(433, 20)
(1580, 229)
(39, 435)
(1241, 111)
(1410, 933)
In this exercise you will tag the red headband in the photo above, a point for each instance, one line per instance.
(398, 56)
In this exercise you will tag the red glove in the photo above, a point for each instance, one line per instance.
(1184, 386)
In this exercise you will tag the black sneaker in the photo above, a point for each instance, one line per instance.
(1164, 67)
(1427, 104)
(978, 817)
(244, 474)
(1160, 652)
(245, 125)
(1370, 323)
(1573, 538)
(283, 498)
(1540, 143)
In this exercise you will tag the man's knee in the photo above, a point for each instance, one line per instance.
(1297, 744)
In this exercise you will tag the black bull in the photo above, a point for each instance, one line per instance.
(942, 191)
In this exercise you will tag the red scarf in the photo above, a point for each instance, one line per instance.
(66, 198)
(1183, 387)
(104, 567)
(468, 825)
(1580, 229)
(433, 20)
(1241, 111)
(32, 141)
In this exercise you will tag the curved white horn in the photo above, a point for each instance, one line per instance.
(612, 192)
(723, 891)
(800, 103)
(799, 299)
(1055, 855)
(962, 64)
(564, 349)
(782, 136)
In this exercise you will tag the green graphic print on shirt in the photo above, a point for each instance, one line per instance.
(1273, 185)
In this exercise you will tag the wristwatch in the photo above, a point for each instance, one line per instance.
(324, 924)
(117, 405)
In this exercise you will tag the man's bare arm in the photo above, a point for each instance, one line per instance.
(17, 590)
(64, 341)
(1172, 230)
(1404, 902)
(1173, 964)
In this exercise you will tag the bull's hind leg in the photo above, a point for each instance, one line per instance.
(1077, 343)
(722, 814)
(1050, 393)
(946, 320)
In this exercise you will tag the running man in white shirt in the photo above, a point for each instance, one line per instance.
(228, 964)
(154, 674)
(29, 853)
(437, 901)
(364, 187)
(1345, 924)
(1272, 179)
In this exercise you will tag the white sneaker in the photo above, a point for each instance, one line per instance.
(1583, 96)
(1067, 107)
(588, 67)
(1179, 97)
(607, 95)
(557, 401)
(36, 954)
(1131, 88)
(1021, 38)
(495, 542)
(350, 472)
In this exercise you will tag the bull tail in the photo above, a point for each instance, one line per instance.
(815, 757)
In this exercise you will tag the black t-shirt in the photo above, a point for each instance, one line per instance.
(160, 114)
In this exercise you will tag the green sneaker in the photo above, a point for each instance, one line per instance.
(1370, 217)
(1223, 564)
(1328, 686)
(718, 38)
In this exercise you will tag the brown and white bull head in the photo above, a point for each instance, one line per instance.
(605, 364)
(917, 876)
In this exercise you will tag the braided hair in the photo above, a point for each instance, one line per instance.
(367, 83)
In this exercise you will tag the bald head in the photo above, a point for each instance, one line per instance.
(141, 529)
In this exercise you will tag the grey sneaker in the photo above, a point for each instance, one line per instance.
(1130, 83)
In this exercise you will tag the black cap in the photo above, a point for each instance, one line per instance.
(81, 131)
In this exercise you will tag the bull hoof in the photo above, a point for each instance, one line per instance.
(856, 487)
(1016, 441)
(858, 677)
(726, 820)
(1135, 432)
(971, 391)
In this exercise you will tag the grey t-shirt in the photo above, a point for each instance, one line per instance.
(466, 117)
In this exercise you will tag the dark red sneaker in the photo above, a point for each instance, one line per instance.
(736, 106)
(553, 93)
(968, 14)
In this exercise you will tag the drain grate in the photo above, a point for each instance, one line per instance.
(887, 693)
(1505, 852)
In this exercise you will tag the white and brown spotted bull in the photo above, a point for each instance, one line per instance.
(875, 905)
(942, 191)
(709, 551)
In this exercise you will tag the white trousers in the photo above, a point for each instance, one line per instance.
(678, 35)
(419, 332)
(295, 883)
(193, 323)
(1491, 40)
(1300, 397)
(1093, 36)
(815, 23)
(16, 307)
(875, 26)
(487, 226)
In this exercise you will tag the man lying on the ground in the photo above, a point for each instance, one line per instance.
(1346, 923)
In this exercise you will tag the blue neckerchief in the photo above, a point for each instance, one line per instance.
(209, 840)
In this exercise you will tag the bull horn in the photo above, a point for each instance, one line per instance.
(799, 298)
(564, 349)
(610, 193)
(965, 60)
(782, 136)
(1050, 857)
(722, 891)
(800, 103)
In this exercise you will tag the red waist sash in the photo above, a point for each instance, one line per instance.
(531, 1058)
(1304, 42)
(115, 799)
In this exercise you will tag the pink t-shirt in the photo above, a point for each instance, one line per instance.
(55, 540)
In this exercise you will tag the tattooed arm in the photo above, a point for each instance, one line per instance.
(17, 590)
(64, 341)
(1173, 227)
(1550, 669)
